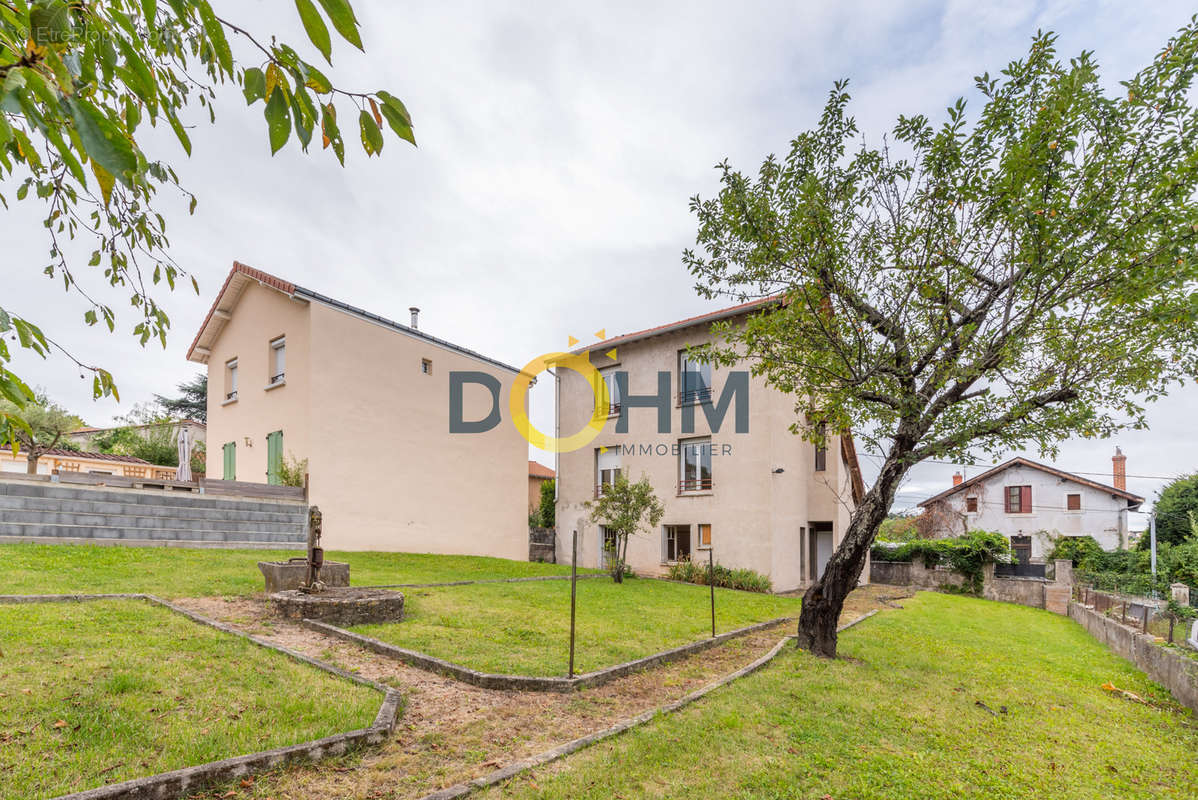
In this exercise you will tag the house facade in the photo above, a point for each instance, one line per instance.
(293, 375)
(760, 497)
(1032, 504)
(85, 463)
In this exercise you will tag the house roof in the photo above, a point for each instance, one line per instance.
(62, 452)
(196, 422)
(536, 470)
(242, 276)
(711, 316)
(1133, 500)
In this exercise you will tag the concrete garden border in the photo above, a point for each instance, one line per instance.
(561, 751)
(178, 783)
(529, 683)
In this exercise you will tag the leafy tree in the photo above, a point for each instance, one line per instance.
(1176, 510)
(976, 287)
(899, 528)
(192, 402)
(45, 423)
(81, 81)
(155, 441)
(623, 508)
(546, 512)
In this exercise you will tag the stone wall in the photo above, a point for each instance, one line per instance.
(892, 573)
(1174, 670)
(542, 545)
(1034, 592)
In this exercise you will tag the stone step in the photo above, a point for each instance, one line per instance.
(13, 503)
(146, 520)
(154, 497)
(32, 531)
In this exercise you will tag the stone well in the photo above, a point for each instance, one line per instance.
(283, 575)
(341, 606)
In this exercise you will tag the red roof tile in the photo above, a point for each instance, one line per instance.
(62, 452)
(536, 470)
(710, 316)
(239, 269)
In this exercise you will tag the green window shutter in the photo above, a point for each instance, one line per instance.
(230, 453)
(274, 456)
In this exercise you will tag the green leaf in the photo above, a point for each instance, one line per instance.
(216, 35)
(253, 85)
(316, 80)
(372, 137)
(50, 24)
(177, 126)
(138, 77)
(105, 179)
(317, 31)
(397, 122)
(103, 139)
(396, 104)
(278, 120)
(149, 8)
(342, 16)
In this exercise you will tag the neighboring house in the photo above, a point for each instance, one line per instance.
(537, 474)
(1031, 503)
(84, 437)
(85, 463)
(295, 374)
(765, 499)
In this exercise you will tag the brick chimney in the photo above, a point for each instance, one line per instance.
(958, 478)
(1119, 468)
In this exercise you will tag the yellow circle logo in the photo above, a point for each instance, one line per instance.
(575, 362)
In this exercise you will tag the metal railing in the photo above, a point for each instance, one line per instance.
(695, 485)
(702, 395)
(277, 378)
(231, 395)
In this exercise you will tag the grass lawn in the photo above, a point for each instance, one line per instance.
(525, 628)
(105, 691)
(899, 718)
(180, 572)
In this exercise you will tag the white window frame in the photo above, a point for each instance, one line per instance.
(607, 468)
(613, 391)
(666, 532)
(688, 395)
(231, 381)
(697, 483)
(1081, 503)
(278, 362)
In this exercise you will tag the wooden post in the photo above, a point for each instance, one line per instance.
(1125, 613)
(1145, 619)
(711, 584)
(573, 595)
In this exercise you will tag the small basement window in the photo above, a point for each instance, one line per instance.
(1073, 502)
(426, 366)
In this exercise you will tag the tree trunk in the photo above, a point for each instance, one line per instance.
(617, 555)
(31, 463)
(824, 599)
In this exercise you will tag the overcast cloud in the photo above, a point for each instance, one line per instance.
(559, 144)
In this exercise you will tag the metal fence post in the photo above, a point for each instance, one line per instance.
(573, 594)
(711, 583)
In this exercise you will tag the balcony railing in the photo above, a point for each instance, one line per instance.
(689, 396)
(613, 409)
(694, 485)
(231, 395)
(601, 489)
(277, 378)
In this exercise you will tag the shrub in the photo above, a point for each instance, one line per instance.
(1083, 551)
(966, 554)
(724, 577)
(292, 471)
(546, 513)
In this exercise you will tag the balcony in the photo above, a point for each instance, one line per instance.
(694, 396)
(231, 396)
(277, 378)
(687, 485)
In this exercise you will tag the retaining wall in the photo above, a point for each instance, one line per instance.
(1174, 670)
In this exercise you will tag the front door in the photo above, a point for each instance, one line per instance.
(823, 551)
(1022, 546)
(274, 457)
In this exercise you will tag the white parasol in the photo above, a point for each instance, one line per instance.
(184, 472)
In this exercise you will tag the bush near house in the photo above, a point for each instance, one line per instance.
(966, 554)
(725, 577)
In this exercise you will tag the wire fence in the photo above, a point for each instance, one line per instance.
(1147, 614)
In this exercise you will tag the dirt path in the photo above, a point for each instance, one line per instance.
(451, 732)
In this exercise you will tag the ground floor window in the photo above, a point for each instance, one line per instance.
(1022, 547)
(608, 541)
(704, 536)
(677, 543)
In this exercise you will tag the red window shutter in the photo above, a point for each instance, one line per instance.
(1074, 502)
(1025, 499)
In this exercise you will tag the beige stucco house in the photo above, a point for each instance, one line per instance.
(295, 374)
(763, 498)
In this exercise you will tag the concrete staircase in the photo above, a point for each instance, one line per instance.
(55, 513)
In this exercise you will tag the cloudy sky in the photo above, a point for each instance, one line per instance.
(559, 144)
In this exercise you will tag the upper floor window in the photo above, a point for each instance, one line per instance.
(1018, 499)
(231, 379)
(1073, 502)
(971, 505)
(607, 468)
(694, 380)
(613, 391)
(426, 366)
(694, 465)
(278, 360)
(821, 449)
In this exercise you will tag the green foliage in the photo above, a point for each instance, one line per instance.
(966, 554)
(1083, 551)
(81, 84)
(43, 425)
(898, 528)
(1176, 510)
(625, 507)
(725, 577)
(547, 511)
(292, 471)
(192, 402)
(155, 441)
